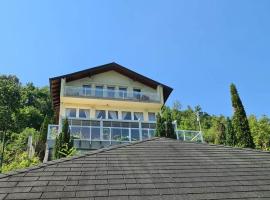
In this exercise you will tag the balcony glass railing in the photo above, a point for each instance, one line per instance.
(72, 91)
(114, 131)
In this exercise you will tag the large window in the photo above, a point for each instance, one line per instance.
(126, 115)
(138, 116)
(99, 91)
(112, 114)
(137, 93)
(87, 90)
(111, 91)
(84, 113)
(123, 92)
(70, 112)
(100, 114)
(151, 116)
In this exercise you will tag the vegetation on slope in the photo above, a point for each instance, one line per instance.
(27, 110)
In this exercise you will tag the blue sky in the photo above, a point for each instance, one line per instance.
(196, 47)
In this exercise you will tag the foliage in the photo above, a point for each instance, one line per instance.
(240, 121)
(64, 143)
(230, 133)
(9, 102)
(160, 127)
(41, 143)
(260, 130)
(21, 161)
(66, 151)
(22, 111)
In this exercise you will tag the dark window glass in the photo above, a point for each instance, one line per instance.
(99, 91)
(87, 90)
(100, 114)
(126, 115)
(151, 116)
(111, 92)
(122, 92)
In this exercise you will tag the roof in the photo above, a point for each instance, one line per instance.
(154, 169)
(55, 82)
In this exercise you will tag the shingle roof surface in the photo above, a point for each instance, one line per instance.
(155, 169)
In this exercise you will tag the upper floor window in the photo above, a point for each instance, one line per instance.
(87, 90)
(151, 116)
(112, 114)
(99, 91)
(84, 113)
(70, 112)
(111, 91)
(126, 115)
(122, 92)
(136, 93)
(138, 116)
(100, 114)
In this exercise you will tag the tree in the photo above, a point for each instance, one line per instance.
(221, 132)
(63, 143)
(230, 133)
(9, 103)
(169, 128)
(41, 144)
(160, 128)
(240, 121)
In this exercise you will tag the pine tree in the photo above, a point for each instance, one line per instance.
(230, 133)
(160, 128)
(240, 121)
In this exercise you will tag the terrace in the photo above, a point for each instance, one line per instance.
(117, 94)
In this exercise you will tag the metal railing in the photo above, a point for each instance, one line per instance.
(84, 132)
(72, 91)
(189, 135)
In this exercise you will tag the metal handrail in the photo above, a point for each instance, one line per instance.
(75, 91)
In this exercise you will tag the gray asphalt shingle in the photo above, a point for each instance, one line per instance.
(154, 169)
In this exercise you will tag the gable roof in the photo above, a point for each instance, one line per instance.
(55, 82)
(155, 169)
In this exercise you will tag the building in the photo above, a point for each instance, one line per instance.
(158, 169)
(106, 104)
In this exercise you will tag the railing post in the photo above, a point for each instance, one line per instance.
(201, 136)
(177, 136)
(129, 134)
(184, 135)
(140, 130)
(101, 130)
(110, 135)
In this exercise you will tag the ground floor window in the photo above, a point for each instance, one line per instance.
(84, 113)
(112, 114)
(126, 115)
(138, 116)
(152, 116)
(100, 114)
(70, 112)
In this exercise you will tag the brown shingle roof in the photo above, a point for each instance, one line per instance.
(155, 169)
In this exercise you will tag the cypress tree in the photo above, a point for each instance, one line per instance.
(230, 134)
(160, 127)
(169, 129)
(66, 132)
(41, 144)
(221, 133)
(240, 121)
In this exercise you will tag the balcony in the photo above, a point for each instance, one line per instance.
(94, 134)
(71, 91)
